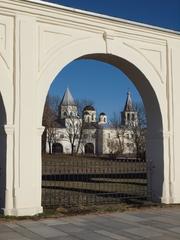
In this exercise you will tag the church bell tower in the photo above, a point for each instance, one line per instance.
(129, 115)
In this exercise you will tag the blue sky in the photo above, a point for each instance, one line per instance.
(88, 79)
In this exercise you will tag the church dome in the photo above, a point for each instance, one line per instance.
(102, 114)
(89, 108)
(86, 113)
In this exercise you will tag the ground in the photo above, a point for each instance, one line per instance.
(153, 223)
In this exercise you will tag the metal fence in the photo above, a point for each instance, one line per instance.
(81, 180)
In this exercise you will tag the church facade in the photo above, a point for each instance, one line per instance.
(87, 133)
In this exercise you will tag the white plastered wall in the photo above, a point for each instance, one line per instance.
(42, 40)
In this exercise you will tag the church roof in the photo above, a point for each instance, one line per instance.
(129, 104)
(67, 99)
(89, 108)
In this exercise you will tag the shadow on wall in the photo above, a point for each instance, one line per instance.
(2, 154)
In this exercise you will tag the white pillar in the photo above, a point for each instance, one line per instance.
(159, 167)
(27, 146)
(174, 115)
(38, 181)
(9, 201)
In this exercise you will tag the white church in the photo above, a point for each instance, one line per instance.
(91, 134)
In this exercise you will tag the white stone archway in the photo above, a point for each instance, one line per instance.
(37, 41)
(3, 147)
(6, 115)
(155, 137)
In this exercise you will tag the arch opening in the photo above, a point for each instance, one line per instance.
(154, 138)
(3, 147)
(152, 100)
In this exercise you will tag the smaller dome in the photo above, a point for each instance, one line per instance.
(102, 114)
(89, 108)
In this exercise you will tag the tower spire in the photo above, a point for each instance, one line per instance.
(67, 99)
(129, 115)
(129, 104)
(67, 107)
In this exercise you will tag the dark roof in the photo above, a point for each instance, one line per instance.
(102, 114)
(89, 108)
(129, 104)
(67, 99)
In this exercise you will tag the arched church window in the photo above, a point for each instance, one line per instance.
(89, 148)
(57, 148)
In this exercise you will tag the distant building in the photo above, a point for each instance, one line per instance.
(129, 115)
(90, 134)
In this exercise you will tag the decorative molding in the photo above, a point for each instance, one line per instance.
(22, 211)
(40, 130)
(70, 25)
(6, 40)
(59, 13)
(2, 36)
(167, 134)
(153, 57)
(133, 36)
(3, 43)
(106, 38)
(9, 129)
(51, 38)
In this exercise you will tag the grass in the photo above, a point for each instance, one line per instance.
(84, 210)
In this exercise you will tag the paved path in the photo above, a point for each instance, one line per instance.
(153, 224)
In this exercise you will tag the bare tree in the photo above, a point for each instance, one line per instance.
(136, 131)
(117, 144)
(49, 121)
(115, 120)
(81, 104)
(142, 120)
(73, 131)
(139, 131)
(81, 131)
(74, 125)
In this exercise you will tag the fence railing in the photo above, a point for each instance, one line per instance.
(80, 180)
